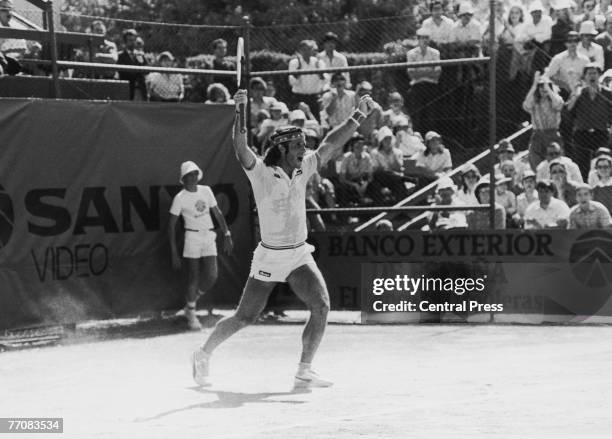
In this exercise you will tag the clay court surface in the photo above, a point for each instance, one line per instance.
(428, 381)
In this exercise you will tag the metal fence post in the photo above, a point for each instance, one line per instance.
(53, 41)
(492, 108)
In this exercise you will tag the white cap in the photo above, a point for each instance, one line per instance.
(562, 4)
(297, 115)
(383, 133)
(189, 166)
(536, 6)
(587, 28)
(465, 8)
(446, 183)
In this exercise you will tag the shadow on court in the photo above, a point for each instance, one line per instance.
(230, 400)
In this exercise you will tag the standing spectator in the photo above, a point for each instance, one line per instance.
(329, 57)
(130, 57)
(591, 107)
(105, 53)
(524, 199)
(423, 81)
(588, 214)
(594, 52)
(565, 188)
(15, 48)
(604, 39)
(562, 26)
(165, 87)
(466, 34)
(602, 191)
(480, 219)
(448, 219)
(259, 100)
(438, 26)
(306, 88)
(338, 103)
(513, 24)
(565, 68)
(470, 177)
(536, 34)
(545, 105)
(356, 173)
(548, 212)
(555, 152)
(219, 62)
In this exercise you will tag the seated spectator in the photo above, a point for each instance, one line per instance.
(268, 126)
(409, 142)
(548, 212)
(602, 191)
(374, 120)
(513, 24)
(481, 219)
(329, 58)
(438, 26)
(388, 167)
(304, 117)
(591, 109)
(505, 151)
(423, 82)
(604, 39)
(503, 196)
(356, 174)
(565, 68)
(220, 62)
(466, 35)
(105, 53)
(217, 93)
(587, 47)
(384, 225)
(395, 111)
(320, 191)
(15, 48)
(259, 100)
(555, 152)
(470, 177)
(485, 20)
(435, 161)
(306, 88)
(544, 105)
(588, 10)
(508, 171)
(131, 56)
(338, 103)
(593, 178)
(588, 214)
(566, 189)
(446, 220)
(525, 198)
(165, 87)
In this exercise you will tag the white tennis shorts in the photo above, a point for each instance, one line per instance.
(273, 265)
(200, 244)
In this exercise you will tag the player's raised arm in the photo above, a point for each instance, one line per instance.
(336, 138)
(245, 155)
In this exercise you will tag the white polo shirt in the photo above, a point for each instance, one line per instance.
(281, 201)
(555, 211)
(195, 208)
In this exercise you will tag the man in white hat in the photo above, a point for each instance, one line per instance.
(536, 34)
(467, 31)
(279, 187)
(423, 81)
(594, 52)
(445, 196)
(195, 203)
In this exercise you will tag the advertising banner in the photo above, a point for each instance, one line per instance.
(85, 189)
(405, 276)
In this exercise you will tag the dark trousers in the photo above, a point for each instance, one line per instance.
(311, 100)
(585, 144)
(422, 105)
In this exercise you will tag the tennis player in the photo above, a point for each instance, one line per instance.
(279, 186)
(195, 203)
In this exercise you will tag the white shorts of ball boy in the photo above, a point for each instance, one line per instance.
(275, 264)
(199, 244)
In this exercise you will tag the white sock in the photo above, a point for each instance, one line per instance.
(191, 305)
(303, 367)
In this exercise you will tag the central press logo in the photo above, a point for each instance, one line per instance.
(7, 217)
(590, 258)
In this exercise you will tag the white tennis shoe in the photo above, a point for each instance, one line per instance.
(199, 366)
(309, 378)
(192, 319)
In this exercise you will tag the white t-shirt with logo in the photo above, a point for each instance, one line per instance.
(195, 207)
(281, 201)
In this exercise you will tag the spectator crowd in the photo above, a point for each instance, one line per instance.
(562, 49)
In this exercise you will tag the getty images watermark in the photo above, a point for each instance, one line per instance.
(391, 291)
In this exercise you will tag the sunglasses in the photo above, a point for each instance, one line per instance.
(558, 171)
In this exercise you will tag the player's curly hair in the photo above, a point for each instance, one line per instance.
(273, 155)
